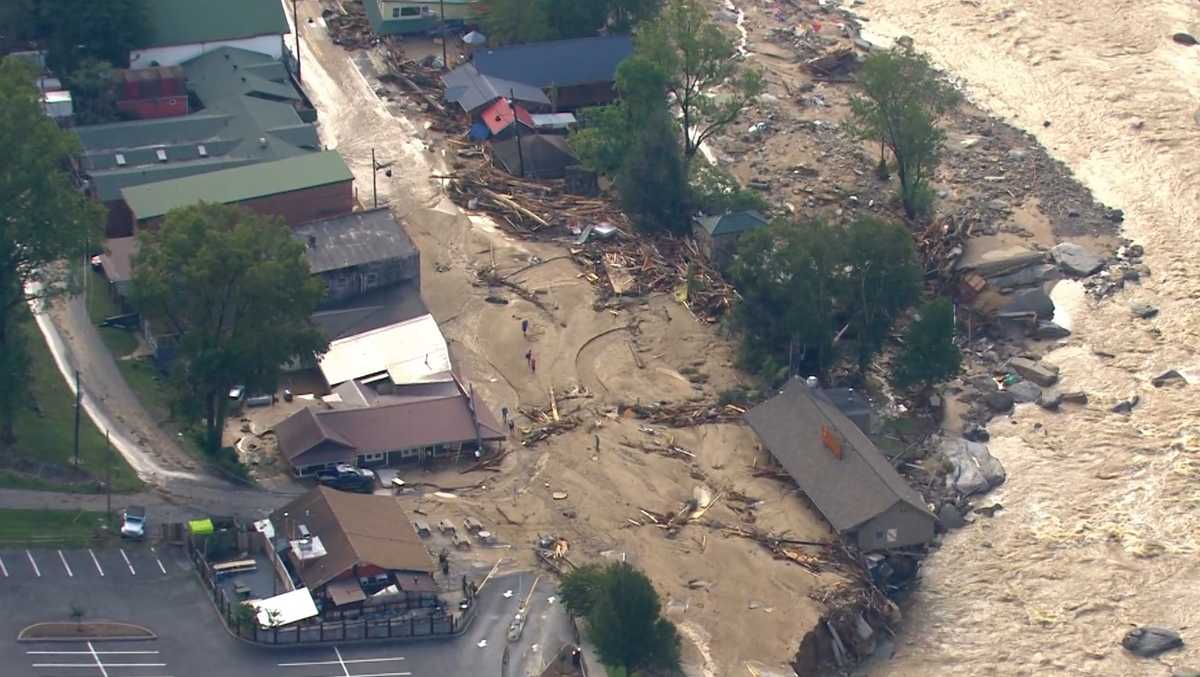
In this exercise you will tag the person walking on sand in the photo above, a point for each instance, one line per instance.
(525, 328)
(528, 355)
(533, 364)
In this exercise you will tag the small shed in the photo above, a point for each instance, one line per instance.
(537, 156)
(505, 120)
(718, 235)
(841, 471)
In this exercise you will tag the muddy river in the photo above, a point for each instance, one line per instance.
(1101, 527)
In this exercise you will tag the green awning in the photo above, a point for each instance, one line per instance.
(200, 527)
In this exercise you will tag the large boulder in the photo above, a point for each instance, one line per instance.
(1025, 391)
(999, 401)
(973, 469)
(1049, 331)
(1034, 300)
(1148, 641)
(1040, 373)
(1003, 261)
(1033, 274)
(1076, 260)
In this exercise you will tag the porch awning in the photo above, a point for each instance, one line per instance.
(281, 610)
(345, 591)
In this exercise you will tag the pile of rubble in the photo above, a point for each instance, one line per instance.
(683, 415)
(525, 206)
(350, 28)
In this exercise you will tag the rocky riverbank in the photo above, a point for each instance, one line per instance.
(1017, 240)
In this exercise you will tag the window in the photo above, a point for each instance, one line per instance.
(395, 12)
(371, 458)
(408, 453)
(372, 280)
(410, 11)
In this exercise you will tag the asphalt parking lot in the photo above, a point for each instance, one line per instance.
(156, 588)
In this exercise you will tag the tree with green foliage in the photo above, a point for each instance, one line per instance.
(903, 100)
(713, 191)
(787, 276)
(695, 58)
(883, 278)
(235, 288)
(608, 134)
(518, 21)
(624, 616)
(804, 284)
(46, 224)
(94, 97)
(930, 354)
(77, 29)
(652, 181)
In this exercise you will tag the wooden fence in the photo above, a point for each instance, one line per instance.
(371, 623)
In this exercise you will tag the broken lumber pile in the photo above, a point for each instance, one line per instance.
(684, 414)
(546, 423)
(526, 206)
(351, 28)
(782, 547)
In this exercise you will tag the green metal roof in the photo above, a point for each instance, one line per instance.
(732, 222)
(182, 22)
(247, 97)
(235, 185)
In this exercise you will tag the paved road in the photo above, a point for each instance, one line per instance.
(157, 589)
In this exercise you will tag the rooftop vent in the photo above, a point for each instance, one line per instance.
(304, 532)
(812, 382)
(161, 154)
(202, 151)
(308, 549)
(262, 141)
(120, 160)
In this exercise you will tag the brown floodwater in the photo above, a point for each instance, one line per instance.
(1101, 527)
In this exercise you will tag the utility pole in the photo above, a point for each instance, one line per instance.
(445, 61)
(296, 20)
(78, 403)
(374, 170)
(512, 104)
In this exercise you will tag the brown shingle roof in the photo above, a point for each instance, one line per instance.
(354, 529)
(849, 490)
(313, 436)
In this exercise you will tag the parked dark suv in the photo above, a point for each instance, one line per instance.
(348, 478)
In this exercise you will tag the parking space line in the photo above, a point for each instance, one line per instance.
(127, 563)
(160, 566)
(66, 566)
(32, 561)
(97, 659)
(339, 656)
(3, 569)
(88, 653)
(95, 561)
(348, 661)
(383, 674)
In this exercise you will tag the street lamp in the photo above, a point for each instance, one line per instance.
(375, 167)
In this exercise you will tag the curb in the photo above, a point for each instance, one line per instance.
(150, 635)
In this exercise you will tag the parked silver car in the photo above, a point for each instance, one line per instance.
(133, 522)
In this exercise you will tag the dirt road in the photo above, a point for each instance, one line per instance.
(728, 595)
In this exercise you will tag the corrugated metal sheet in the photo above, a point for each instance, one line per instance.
(414, 350)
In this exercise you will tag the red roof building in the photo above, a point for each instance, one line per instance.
(500, 117)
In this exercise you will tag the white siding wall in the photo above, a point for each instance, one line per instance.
(271, 45)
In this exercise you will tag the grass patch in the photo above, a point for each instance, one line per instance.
(615, 672)
(100, 306)
(34, 527)
(42, 457)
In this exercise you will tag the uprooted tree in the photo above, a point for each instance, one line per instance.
(624, 616)
(903, 100)
(235, 289)
(45, 224)
(812, 292)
